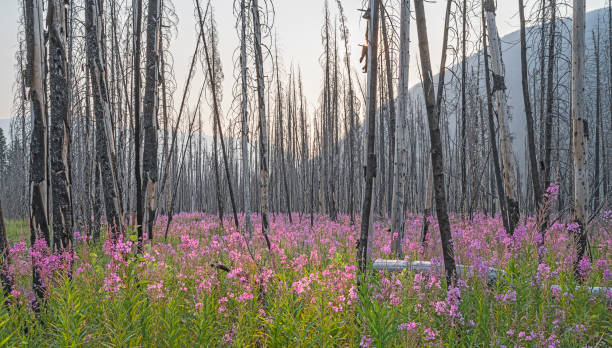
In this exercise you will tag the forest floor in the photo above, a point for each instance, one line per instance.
(303, 292)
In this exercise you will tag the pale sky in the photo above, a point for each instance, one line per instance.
(297, 23)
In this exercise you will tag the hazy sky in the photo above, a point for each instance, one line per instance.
(298, 26)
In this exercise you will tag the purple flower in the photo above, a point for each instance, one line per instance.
(408, 326)
(584, 267)
(366, 341)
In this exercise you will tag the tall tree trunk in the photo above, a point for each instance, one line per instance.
(370, 169)
(281, 141)
(211, 56)
(351, 107)
(492, 137)
(136, 42)
(463, 108)
(401, 134)
(499, 91)
(440, 93)
(437, 156)
(150, 109)
(596, 180)
(245, 120)
(579, 125)
(263, 130)
(392, 114)
(549, 96)
(38, 146)
(533, 162)
(60, 126)
(104, 134)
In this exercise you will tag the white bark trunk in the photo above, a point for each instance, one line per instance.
(579, 124)
(501, 98)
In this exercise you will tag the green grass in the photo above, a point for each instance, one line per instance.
(17, 230)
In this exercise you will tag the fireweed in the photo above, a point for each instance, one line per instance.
(305, 290)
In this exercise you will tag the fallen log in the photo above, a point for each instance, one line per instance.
(424, 266)
(462, 270)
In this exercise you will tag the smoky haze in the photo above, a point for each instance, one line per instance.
(297, 25)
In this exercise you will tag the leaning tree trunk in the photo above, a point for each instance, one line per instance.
(437, 156)
(245, 125)
(263, 130)
(150, 108)
(499, 91)
(211, 56)
(102, 110)
(60, 126)
(38, 145)
(579, 125)
(401, 135)
(370, 170)
(440, 94)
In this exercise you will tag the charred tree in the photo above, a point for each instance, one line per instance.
(437, 156)
(35, 80)
(102, 111)
(370, 169)
(150, 110)
(59, 141)
(533, 162)
(263, 130)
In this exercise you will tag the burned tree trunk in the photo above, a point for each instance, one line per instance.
(263, 130)
(281, 140)
(136, 46)
(370, 169)
(440, 93)
(463, 109)
(59, 142)
(533, 162)
(38, 145)
(392, 114)
(549, 97)
(596, 179)
(212, 57)
(150, 108)
(437, 156)
(245, 124)
(102, 110)
(351, 106)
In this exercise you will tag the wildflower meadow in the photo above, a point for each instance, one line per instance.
(211, 285)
